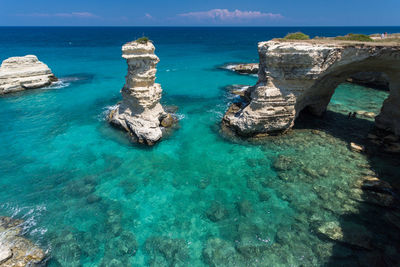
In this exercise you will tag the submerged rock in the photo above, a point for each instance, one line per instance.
(219, 252)
(166, 251)
(352, 234)
(217, 212)
(140, 112)
(16, 250)
(22, 73)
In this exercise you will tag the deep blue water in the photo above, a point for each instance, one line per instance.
(90, 197)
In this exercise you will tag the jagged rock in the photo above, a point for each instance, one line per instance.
(295, 75)
(140, 112)
(352, 234)
(15, 250)
(22, 73)
(166, 251)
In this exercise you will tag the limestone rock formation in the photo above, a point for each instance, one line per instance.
(16, 250)
(244, 68)
(21, 73)
(295, 75)
(140, 112)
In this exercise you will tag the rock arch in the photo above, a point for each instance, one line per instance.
(295, 75)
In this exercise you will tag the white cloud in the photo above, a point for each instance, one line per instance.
(148, 16)
(226, 15)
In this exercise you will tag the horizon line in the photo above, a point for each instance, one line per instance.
(195, 26)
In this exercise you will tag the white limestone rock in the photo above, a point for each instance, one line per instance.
(140, 112)
(16, 250)
(22, 73)
(294, 75)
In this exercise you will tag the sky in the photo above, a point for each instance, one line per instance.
(199, 13)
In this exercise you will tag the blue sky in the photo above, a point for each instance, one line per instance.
(199, 13)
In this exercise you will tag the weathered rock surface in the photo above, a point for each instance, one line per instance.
(16, 250)
(22, 73)
(296, 75)
(140, 112)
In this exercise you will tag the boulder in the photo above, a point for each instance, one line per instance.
(22, 73)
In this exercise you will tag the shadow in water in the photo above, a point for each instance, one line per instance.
(372, 232)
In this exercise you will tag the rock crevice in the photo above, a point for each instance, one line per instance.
(298, 75)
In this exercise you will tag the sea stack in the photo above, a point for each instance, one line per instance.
(140, 112)
(22, 73)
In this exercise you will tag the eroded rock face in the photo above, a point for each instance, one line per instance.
(140, 112)
(16, 250)
(22, 73)
(298, 75)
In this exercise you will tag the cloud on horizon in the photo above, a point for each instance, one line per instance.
(61, 15)
(224, 15)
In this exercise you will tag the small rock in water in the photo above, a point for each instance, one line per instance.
(166, 251)
(283, 163)
(369, 114)
(244, 207)
(167, 121)
(203, 183)
(217, 212)
(352, 234)
(356, 148)
(93, 198)
(219, 252)
(264, 196)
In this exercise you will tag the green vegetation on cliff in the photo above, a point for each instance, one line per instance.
(355, 37)
(296, 36)
(143, 40)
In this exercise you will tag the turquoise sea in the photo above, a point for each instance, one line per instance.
(91, 198)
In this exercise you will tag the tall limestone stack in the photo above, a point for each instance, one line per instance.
(21, 73)
(295, 75)
(140, 112)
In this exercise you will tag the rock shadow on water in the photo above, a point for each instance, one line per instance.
(371, 229)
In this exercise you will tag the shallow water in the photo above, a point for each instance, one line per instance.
(91, 198)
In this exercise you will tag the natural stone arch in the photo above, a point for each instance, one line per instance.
(296, 75)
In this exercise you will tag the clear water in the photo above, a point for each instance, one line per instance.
(91, 198)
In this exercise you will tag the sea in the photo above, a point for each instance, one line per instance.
(90, 197)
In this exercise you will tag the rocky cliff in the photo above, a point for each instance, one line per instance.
(140, 112)
(21, 73)
(295, 75)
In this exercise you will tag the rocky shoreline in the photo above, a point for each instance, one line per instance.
(140, 112)
(23, 73)
(16, 250)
